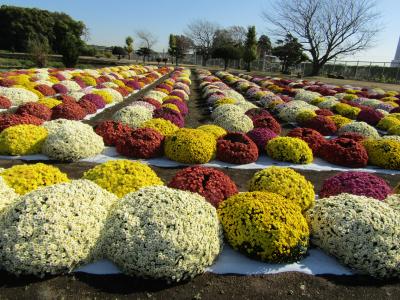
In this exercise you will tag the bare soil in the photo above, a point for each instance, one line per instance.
(290, 285)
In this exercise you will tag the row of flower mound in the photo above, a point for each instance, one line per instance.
(34, 96)
(141, 129)
(121, 210)
(326, 132)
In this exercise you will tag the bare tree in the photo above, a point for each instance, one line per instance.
(326, 28)
(147, 38)
(238, 34)
(202, 34)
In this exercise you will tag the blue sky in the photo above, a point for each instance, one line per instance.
(110, 21)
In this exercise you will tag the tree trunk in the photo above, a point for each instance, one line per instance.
(226, 61)
(204, 63)
(316, 68)
(176, 61)
(248, 66)
(144, 58)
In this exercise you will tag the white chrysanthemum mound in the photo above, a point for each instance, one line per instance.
(54, 229)
(361, 128)
(117, 97)
(393, 201)
(76, 95)
(361, 232)
(71, 141)
(71, 85)
(18, 96)
(7, 195)
(162, 233)
(226, 109)
(133, 116)
(235, 122)
(307, 96)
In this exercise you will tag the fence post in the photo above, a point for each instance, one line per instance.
(355, 73)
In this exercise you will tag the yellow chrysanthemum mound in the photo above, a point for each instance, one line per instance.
(213, 129)
(384, 153)
(191, 146)
(289, 149)
(285, 182)
(223, 101)
(50, 102)
(123, 176)
(22, 139)
(340, 120)
(264, 225)
(164, 127)
(107, 97)
(26, 178)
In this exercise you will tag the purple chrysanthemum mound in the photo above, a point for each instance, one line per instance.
(170, 115)
(356, 183)
(95, 99)
(261, 136)
(182, 106)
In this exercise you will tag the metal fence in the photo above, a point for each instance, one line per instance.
(358, 70)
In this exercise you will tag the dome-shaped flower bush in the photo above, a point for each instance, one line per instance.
(211, 183)
(191, 146)
(5, 103)
(7, 195)
(163, 233)
(360, 127)
(384, 153)
(112, 131)
(356, 183)
(312, 137)
(346, 110)
(289, 149)
(261, 136)
(18, 95)
(361, 232)
(54, 229)
(141, 143)
(49, 102)
(213, 129)
(88, 106)
(225, 110)
(121, 177)
(393, 201)
(26, 178)
(22, 139)
(353, 136)
(344, 152)
(265, 226)
(170, 115)
(38, 110)
(105, 95)
(235, 122)
(45, 90)
(236, 148)
(163, 126)
(324, 112)
(69, 111)
(388, 121)
(339, 120)
(324, 125)
(95, 99)
(370, 116)
(269, 122)
(71, 141)
(256, 112)
(8, 120)
(285, 182)
(133, 116)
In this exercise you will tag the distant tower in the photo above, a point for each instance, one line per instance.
(396, 60)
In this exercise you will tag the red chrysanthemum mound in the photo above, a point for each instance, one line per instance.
(312, 137)
(88, 106)
(141, 143)
(322, 124)
(8, 120)
(236, 148)
(257, 112)
(7, 82)
(353, 136)
(370, 116)
(112, 131)
(60, 88)
(66, 99)
(5, 103)
(344, 152)
(124, 92)
(269, 122)
(356, 183)
(45, 90)
(212, 184)
(69, 111)
(153, 102)
(324, 112)
(35, 109)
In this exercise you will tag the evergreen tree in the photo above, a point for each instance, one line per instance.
(250, 49)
